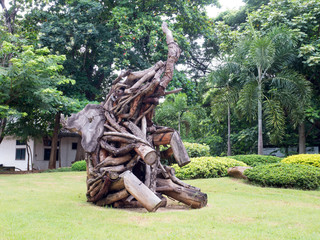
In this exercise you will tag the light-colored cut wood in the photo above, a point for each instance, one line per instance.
(179, 151)
(140, 191)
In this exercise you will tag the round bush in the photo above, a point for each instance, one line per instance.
(285, 175)
(197, 150)
(255, 160)
(206, 167)
(307, 159)
(79, 166)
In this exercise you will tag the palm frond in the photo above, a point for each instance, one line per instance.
(275, 120)
(248, 98)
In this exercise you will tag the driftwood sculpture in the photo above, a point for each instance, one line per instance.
(123, 144)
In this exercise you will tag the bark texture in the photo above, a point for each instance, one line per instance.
(123, 144)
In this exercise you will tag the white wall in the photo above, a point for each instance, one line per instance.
(67, 154)
(8, 153)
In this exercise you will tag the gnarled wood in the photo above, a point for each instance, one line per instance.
(123, 144)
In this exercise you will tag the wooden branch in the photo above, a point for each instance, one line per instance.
(135, 129)
(136, 75)
(117, 185)
(190, 197)
(173, 91)
(162, 138)
(111, 198)
(173, 56)
(118, 168)
(112, 161)
(171, 172)
(117, 151)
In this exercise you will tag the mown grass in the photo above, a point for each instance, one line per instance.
(53, 206)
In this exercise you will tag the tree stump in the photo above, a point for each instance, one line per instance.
(122, 143)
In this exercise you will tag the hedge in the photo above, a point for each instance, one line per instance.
(307, 159)
(285, 176)
(197, 150)
(79, 166)
(206, 167)
(255, 160)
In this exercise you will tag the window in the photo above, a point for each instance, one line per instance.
(47, 152)
(19, 142)
(74, 146)
(47, 142)
(20, 154)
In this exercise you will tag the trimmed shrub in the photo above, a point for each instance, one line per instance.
(79, 166)
(206, 167)
(307, 159)
(255, 160)
(285, 176)
(197, 150)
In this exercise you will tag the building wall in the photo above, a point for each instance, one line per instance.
(278, 152)
(67, 154)
(8, 153)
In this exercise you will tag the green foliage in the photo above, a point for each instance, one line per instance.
(206, 167)
(79, 166)
(255, 160)
(307, 159)
(285, 175)
(197, 150)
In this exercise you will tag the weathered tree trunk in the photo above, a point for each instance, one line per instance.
(80, 153)
(123, 144)
(229, 132)
(302, 139)
(54, 142)
(3, 123)
(260, 136)
(9, 15)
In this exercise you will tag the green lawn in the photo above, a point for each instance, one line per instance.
(53, 206)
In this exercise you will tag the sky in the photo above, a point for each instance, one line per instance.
(225, 5)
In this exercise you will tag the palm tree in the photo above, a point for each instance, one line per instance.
(224, 94)
(270, 85)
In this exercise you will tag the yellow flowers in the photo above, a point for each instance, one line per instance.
(306, 159)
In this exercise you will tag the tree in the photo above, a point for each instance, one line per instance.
(29, 91)
(224, 94)
(267, 57)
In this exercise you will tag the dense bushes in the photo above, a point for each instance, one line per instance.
(255, 160)
(206, 167)
(307, 159)
(197, 150)
(79, 166)
(285, 175)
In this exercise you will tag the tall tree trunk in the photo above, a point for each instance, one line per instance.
(179, 123)
(229, 132)
(9, 16)
(80, 154)
(28, 156)
(260, 138)
(59, 153)
(302, 139)
(3, 123)
(54, 142)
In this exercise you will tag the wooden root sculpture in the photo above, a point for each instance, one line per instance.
(122, 142)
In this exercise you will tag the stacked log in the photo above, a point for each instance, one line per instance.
(123, 144)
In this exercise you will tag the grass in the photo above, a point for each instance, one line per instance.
(53, 206)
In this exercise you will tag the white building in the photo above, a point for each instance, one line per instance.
(13, 153)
